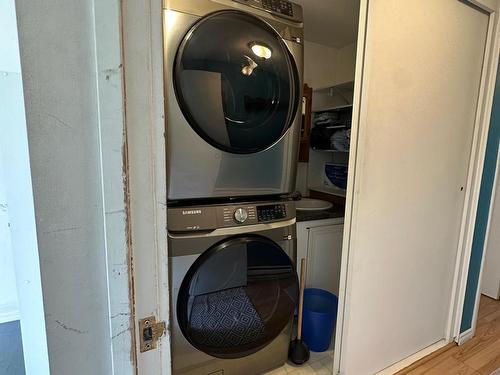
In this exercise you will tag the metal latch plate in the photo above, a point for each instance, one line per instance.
(150, 332)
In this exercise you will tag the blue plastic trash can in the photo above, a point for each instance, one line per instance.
(318, 318)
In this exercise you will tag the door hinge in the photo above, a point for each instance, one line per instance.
(150, 332)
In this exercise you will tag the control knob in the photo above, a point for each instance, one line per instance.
(240, 215)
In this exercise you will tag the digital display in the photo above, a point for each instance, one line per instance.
(271, 212)
(279, 6)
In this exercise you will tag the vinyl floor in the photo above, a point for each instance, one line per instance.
(478, 356)
(319, 363)
(11, 349)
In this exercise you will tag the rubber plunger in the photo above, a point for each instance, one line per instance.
(299, 352)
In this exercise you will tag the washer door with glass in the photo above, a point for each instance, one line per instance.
(236, 82)
(237, 297)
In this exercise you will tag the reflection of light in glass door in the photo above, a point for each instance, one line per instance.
(22, 318)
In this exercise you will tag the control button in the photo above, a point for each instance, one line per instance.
(240, 215)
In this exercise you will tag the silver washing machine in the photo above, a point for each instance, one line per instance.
(233, 83)
(234, 287)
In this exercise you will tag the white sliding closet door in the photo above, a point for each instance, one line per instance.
(419, 93)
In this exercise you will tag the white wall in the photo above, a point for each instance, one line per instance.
(9, 66)
(9, 309)
(16, 183)
(326, 66)
(8, 38)
(493, 4)
(319, 65)
(16, 167)
(346, 64)
(71, 60)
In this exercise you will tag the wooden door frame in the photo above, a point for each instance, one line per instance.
(471, 199)
(142, 38)
(346, 265)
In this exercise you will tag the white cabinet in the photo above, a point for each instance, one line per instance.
(320, 242)
(324, 252)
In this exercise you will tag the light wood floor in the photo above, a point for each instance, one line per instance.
(480, 355)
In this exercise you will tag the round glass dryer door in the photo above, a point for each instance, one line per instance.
(236, 82)
(237, 297)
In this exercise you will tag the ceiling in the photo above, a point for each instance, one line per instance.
(330, 22)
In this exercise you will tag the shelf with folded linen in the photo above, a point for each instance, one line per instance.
(331, 130)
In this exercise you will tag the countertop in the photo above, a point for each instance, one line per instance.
(335, 212)
(332, 190)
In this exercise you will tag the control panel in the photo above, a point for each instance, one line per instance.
(271, 212)
(230, 215)
(284, 7)
(238, 215)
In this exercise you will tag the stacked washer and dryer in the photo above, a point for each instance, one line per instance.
(233, 78)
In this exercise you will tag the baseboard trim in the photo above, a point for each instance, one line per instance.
(8, 316)
(408, 361)
(465, 336)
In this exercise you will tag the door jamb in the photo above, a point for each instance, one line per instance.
(493, 201)
(465, 336)
(142, 33)
(346, 264)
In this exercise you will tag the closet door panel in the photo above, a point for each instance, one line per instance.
(420, 86)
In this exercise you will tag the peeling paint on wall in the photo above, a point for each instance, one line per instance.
(113, 141)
